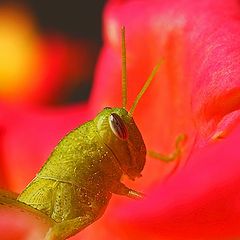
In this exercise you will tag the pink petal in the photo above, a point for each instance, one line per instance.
(201, 202)
(195, 94)
(29, 136)
(18, 221)
(200, 79)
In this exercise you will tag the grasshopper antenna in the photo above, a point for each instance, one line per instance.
(124, 70)
(145, 86)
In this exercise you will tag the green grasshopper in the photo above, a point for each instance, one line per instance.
(75, 184)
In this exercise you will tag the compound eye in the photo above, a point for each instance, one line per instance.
(118, 127)
(107, 108)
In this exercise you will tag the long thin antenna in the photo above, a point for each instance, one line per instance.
(145, 86)
(124, 70)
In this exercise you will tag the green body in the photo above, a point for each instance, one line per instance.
(78, 179)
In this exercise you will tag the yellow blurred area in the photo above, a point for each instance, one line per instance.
(19, 52)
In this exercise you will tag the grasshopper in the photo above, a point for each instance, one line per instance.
(74, 186)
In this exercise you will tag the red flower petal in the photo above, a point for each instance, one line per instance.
(199, 42)
(201, 202)
(196, 92)
(201, 75)
(18, 221)
(29, 135)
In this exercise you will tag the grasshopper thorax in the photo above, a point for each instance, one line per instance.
(121, 136)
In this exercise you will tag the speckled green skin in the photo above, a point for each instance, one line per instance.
(76, 183)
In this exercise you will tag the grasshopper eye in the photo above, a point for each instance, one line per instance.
(118, 127)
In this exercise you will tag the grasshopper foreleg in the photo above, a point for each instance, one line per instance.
(172, 156)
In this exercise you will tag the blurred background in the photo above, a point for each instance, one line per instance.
(48, 50)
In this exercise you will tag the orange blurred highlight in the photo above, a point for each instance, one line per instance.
(33, 64)
(19, 52)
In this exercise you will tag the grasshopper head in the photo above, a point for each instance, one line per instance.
(118, 130)
(121, 136)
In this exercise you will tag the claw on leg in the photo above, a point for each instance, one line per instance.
(120, 189)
